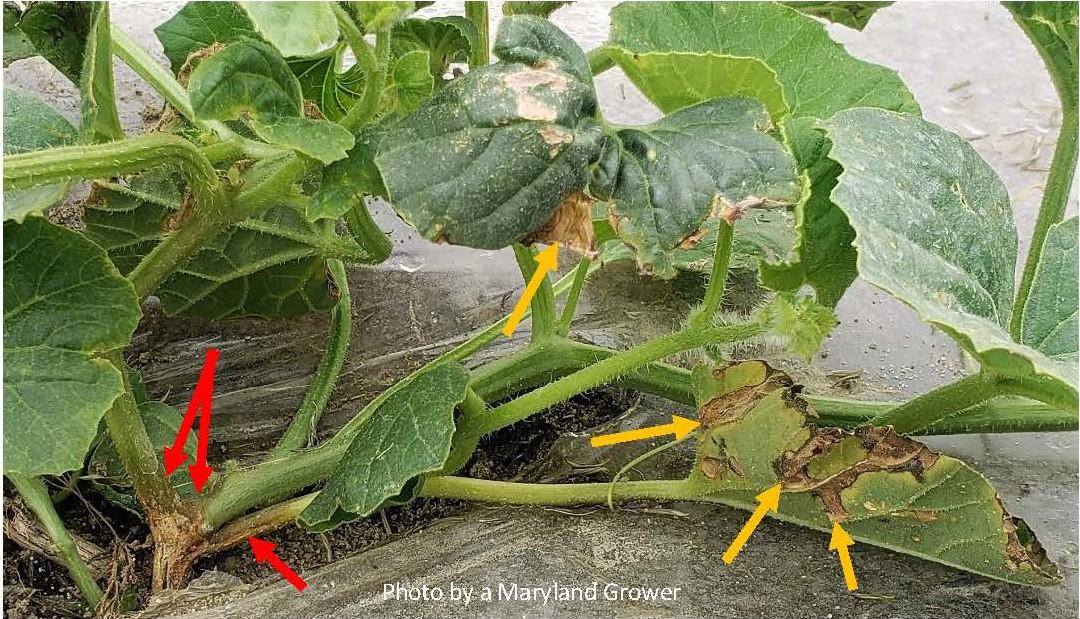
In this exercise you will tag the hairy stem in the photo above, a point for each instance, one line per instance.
(36, 497)
(581, 273)
(477, 12)
(714, 294)
(258, 523)
(374, 72)
(368, 233)
(543, 302)
(302, 427)
(600, 60)
(160, 78)
(924, 410)
(486, 491)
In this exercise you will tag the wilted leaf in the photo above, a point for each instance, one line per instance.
(247, 78)
(199, 25)
(887, 490)
(665, 48)
(447, 39)
(31, 124)
(500, 147)
(853, 14)
(935, 230)
(408, 435)
(1050, 314)
(294, 28)
(319, 139)
(663, 180)
(64, 305)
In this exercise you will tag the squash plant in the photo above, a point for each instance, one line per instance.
(778, 151)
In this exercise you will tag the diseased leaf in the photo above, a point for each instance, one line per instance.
(199, 25)
(500, 147)
(31, 124)
(1053, 29)
(321, 81)
(247, 78)
(64, 304)
(934, 229)
(853, 14)
(1050, 313)
(662, 181)
(447, 39)
(887, 490)
(319, 139)
(408, 435)
(272, 265)
(16, 45)
(294, 28)
(409, 84)
(664, 47)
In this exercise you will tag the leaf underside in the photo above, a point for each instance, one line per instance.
(887, 490)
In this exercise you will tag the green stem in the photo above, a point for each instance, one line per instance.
(714, 294)
(160, 78)
(368, 233)
(1051, 211)
(543, 302)
(477, 12)
(600, 60)
(942, 402)
(36, 497)
(581, 273)
(374, 72)
(300, 431)
(609, 369)
(482, 490)
(72, 163)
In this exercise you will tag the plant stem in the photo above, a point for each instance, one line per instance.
(939, 403)
(368, 233)
(1051, 211)
(36, 497)
(477, 12)
(543, 302)
(609, 369)
(483, 490)
(263, 521)
(138, 454)
(999, 415)
(714, 293)
(581, 273)
(134, 56)
(600, 60)
(71, 163)
(374, 72)
(302, 427)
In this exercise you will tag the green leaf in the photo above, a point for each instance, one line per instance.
(100, 121)
(409, 84)
(58, 31)
(31, 124)
(662, 181)
(16, 45)
(199, 25)
(246, 78)
(447, 39)
(379, 16)
(64, 304)
(295, 28)
(319, 139)
(500, 147)
(320, 81)
(1050, 314)
(934, 229)
(665, 48)
(1052, 28)
(408, 435)
(346, 182)
(851, 14)
(800, 323)
(887, 490)
(272, 265)
(540, 9)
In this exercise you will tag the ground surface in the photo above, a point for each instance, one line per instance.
(971, 70)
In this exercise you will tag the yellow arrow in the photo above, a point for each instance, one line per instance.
(679, 426)
(770, 499)
(840, 542)
(547, 260)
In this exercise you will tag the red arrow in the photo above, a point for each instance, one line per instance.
(264, 553)
(201, 402)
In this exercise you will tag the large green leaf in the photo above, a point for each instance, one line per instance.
(1053, 29)
(247, 78)
(64, 304)
(679, 53)
(408, 435)
(447, 39)
(272, 265)
(853, 14)
(295, 28)
(1050, 313)
(199, 25)
(31, 124)
(662, 181)
(887, 490)
(934, 229)
(500, 147)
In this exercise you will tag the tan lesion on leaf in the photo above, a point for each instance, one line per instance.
(570, 225)
(734, 405)
(524, 84)
(1021, 547)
